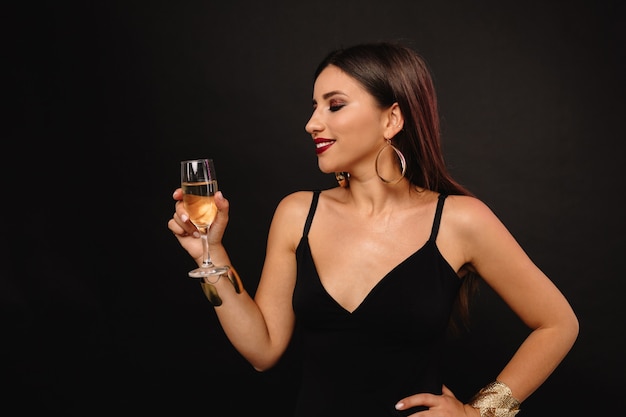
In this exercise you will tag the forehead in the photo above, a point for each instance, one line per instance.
(333, 79)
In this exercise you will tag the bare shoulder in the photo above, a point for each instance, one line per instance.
(472, 221)
(290, 216)
(295, 204)
(468, 212)
(472, 235)
(475, 223)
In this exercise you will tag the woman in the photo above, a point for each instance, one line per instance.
(373, 271)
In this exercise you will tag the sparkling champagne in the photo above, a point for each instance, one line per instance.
(200, 202)
(199, 185)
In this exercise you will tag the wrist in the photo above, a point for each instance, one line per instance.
(471, 411)
(495, 400)
(209, 285)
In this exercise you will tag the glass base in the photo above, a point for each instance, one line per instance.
(208, 271)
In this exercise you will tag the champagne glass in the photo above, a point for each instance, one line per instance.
(199, 185)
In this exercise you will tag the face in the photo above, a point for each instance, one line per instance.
(347, 124)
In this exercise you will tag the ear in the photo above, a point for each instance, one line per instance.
(394, 121)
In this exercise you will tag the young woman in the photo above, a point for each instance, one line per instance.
(373, 271)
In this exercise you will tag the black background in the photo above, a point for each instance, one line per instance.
(103, 99)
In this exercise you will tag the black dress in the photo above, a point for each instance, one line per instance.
(361, 363)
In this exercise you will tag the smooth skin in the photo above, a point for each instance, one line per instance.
(360, 232)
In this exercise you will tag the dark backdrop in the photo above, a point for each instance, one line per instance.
(103, 100)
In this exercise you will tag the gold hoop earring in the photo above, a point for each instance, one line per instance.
(400, 159)
(343, 178)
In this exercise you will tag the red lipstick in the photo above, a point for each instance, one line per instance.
(322, 144)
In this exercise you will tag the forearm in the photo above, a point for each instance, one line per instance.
(240, 316)
(530, 366)
(244, 325)
(537, 357)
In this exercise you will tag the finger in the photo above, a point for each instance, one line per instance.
(180, 207)
(175, 227)
(223, 206)
(446, 391)
(182, 218)
(178, 194)
(221, 202)
(181, 226)
(181, 214)
(424, 399)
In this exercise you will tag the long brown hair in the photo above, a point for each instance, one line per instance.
(394, 73)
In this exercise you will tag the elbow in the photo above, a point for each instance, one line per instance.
(262, 366)
(259, 367)
(567, 328)
(573, 327)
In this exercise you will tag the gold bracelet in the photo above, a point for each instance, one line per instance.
(210, 290)
(495, 400)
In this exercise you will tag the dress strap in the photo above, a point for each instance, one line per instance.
(435, 230)
(309, 218)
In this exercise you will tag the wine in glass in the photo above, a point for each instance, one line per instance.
(199, 185)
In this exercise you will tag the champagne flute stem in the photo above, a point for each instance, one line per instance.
(206, 258)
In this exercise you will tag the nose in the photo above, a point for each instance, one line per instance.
(314, 125)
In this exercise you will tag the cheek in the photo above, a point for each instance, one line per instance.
(362, 130)
(361, 125)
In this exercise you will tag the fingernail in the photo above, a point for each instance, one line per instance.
(399, 405)
(184, 218)
(196, 234)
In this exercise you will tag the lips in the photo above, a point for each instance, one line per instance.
(322, 144)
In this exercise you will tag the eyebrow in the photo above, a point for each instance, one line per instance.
(330, 94)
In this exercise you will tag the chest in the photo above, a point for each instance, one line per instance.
(417, 293)
(352, 257)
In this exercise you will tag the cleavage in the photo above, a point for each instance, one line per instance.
(349, 280)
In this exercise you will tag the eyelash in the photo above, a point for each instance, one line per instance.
(335, 107)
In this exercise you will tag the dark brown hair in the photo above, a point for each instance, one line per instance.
(394, 73)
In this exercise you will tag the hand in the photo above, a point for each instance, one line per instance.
(187, 233)
(444, 405)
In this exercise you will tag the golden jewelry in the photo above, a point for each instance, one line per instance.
(343, 178)
(495, 400)
(401, 160)
(210, 290)
(211, 293)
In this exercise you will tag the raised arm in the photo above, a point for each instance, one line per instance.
(261, 328)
